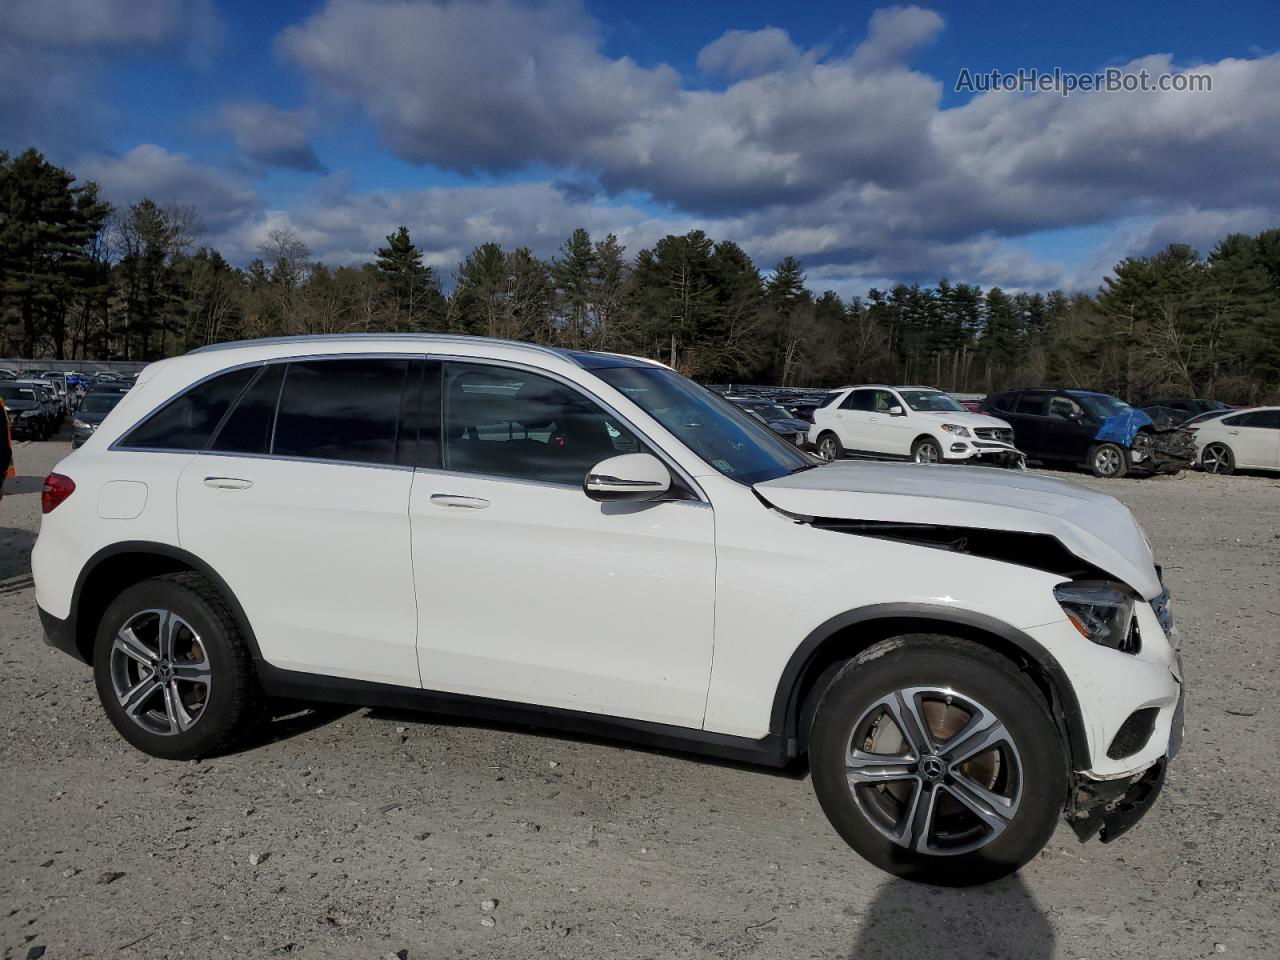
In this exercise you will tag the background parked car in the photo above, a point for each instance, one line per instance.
(1091, 429)
(26, 413)
(780, 420)
(1182, 409)
(1248, 439)
(93, 410)
(908, 423)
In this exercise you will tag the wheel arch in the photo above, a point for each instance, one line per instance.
(931, 438)
(848, 634)
(119, 566)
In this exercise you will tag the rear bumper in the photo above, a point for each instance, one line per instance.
(60, 634)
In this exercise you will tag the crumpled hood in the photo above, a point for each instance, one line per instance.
(1093, 526)
(1123, 427)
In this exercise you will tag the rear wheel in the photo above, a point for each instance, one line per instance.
(1217, 458)
(926, 450)
(173, 671)
(1107, 461)
(829, 446)
(937, 760)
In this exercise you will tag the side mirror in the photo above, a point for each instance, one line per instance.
(897, 412)
(631, 476)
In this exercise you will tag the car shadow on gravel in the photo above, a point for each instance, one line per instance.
(287, 719)
(796, 770)
(15, 552)
(16, 486)
(998, 921)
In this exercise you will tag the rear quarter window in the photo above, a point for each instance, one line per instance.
(188, 420)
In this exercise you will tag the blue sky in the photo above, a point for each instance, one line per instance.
(828, 130)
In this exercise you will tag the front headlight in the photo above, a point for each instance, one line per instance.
(955, 428)
(1101, 612)
(81, 425)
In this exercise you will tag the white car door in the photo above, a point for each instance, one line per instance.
(852, 419)
(530, 592)
(889, 433)
(301, 506)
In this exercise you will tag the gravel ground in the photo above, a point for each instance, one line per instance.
(373, 834)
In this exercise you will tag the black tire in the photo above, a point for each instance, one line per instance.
(1036, 770)
(1108, 461)
(1218, 458)
(920, 451)
(829, 446)
(229, 705)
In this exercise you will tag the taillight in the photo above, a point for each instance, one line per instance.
(56, 489)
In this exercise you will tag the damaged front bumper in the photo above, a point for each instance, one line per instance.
(986, 451)
(1163, 452)
(1111, 808)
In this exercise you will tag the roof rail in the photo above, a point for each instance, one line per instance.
(421, 337)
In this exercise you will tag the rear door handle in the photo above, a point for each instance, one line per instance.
(454, 500)
(227, 483)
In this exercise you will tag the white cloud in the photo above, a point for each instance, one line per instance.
(748, 53)
(270, 136)
(221, 199)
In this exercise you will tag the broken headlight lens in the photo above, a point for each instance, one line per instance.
(955, 428)
(1101, 612)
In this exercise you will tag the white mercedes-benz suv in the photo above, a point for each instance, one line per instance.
(909, 423)
(593, 543)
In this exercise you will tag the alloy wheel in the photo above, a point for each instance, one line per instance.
(160, 672)
(827, 448)
(1216, 458)
(927, 453)
(1107, 461)
(934, 771)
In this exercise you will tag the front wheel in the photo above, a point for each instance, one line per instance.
(937, 760)
(926, 451)
(1217, 458)
(173, 671)
(1107, 461)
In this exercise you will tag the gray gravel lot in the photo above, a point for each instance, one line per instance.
(366, 833)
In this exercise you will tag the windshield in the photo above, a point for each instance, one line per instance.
(734, 443)
(1102, 406)
(930, 401)
(99, 402)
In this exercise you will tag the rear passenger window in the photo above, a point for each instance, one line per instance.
(860, 400)
(1035, 404)
(341, 410)
(187, 421)
(248, 428)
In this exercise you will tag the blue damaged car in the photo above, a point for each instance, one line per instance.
(1094, 430)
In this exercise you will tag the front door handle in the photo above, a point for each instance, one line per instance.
(227, 483)
(454, 500)
(1234, 433)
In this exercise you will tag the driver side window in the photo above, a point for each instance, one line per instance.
(884, 401)
(505, 422)
(1064, 408)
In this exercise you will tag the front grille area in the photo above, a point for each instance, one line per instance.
(994, 433)
(1133, 733)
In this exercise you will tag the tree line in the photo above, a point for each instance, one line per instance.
(80, 279)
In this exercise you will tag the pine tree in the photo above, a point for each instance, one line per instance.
(410, 290)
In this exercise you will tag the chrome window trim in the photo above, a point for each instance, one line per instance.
(663, 455)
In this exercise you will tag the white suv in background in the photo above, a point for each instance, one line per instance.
(595, 544)
(908, 423)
